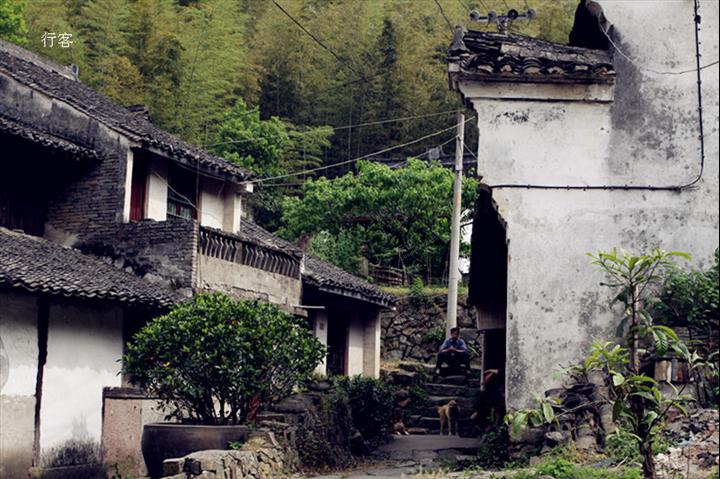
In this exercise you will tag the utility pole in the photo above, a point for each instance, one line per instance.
(454, 273)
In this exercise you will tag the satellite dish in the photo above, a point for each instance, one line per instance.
(512, 14)
(492, 16)
(530, 14)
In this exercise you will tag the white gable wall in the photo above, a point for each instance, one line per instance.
(555, 134)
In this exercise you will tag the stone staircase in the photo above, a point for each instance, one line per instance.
(440, 391)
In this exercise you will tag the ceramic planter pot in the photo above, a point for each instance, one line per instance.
(162, 441)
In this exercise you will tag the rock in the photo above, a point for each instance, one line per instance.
(555, 438)
(294, 404)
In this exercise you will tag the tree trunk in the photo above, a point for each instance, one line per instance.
(634, 340)
(648, 465)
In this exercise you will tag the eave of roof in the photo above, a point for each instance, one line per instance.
(497, 57)
(321, 274)
(42, 75)
(46, 139)
(37, 265)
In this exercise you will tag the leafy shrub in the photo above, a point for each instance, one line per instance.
(434, 335)
(690, 297)
(216, 360)
(418, 297)
(321, 446)
(493, 449)
(372, 402)
(72, 453)
(419, 398)
(559, 468)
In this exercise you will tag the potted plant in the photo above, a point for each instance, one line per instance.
(213, 362)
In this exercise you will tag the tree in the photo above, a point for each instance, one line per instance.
(217, 360)
(402, 216)
(12, 23)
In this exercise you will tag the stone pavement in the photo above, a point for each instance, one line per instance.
(406, 456)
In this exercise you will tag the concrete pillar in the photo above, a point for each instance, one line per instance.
(371, 353)
(320, 331)
(356, 344)
(128, 186)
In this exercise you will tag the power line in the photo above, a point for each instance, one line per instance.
(442, 12)
(657, 72)
(418, 156)
(345, 127)
(353, 160)
(318, 41)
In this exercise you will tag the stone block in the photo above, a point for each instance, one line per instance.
(173, 466)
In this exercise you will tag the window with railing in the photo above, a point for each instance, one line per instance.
(182, 193)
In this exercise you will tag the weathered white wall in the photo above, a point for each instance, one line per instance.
(648, 135)
(157, 190)
(371, 343)
(212, 202)
(18, 373)
(320, 330)
(244, 281)
(84, 346)
(355, 344)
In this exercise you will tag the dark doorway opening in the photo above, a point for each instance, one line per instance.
(488, 293)
(337, 342)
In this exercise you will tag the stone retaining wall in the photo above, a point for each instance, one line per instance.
(404, 330)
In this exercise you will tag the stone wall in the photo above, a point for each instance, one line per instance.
(404, 330)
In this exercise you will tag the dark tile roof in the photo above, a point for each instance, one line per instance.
(46, 139)
(321, 274)
(38, 265)
(487, 56)
(56, 81)
(328, 277)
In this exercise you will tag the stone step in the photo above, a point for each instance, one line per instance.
(442, 400)
(439, 389)
(430, 368)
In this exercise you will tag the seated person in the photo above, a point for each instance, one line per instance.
(453, 352)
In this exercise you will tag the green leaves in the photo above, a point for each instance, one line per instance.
(209, 357)
(400, 215)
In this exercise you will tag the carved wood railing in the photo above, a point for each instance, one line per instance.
(228, 247)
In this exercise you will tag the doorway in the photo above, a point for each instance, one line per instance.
(337, 342)
(488, 289)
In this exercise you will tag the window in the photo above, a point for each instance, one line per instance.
(182, 193)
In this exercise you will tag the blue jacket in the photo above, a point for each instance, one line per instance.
(458, 344)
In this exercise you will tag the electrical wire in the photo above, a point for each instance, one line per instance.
(353, 160)
(651, 70)
(318, 41)
(395, 164)
(345, 127)
(701, 135)
(442, 12)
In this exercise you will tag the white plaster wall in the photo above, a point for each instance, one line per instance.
(243, 281)
(371, 352)
(18, 333)
(320, 331)
(647, 135)
(84, 346)
(157, 190)
(356, 343)
(212, 204)
(18, 373)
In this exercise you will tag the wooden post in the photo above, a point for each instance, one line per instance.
(454, 270)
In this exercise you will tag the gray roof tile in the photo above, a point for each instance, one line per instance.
(38, 265)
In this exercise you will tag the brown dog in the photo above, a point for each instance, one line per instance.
(450, 414)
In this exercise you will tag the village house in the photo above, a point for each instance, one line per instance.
(105, 222)
(582, 148)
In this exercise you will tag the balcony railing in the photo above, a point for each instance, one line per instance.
(228, 247)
